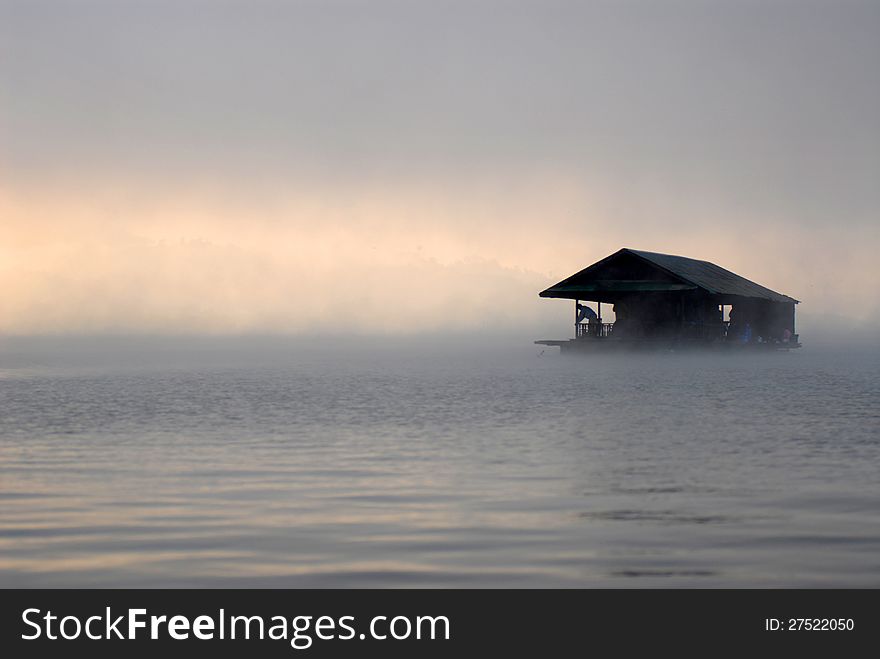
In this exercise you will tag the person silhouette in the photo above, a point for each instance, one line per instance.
(586, 313)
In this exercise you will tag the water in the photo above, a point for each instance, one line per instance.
(296, 463)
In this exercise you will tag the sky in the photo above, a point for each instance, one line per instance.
(402, 167)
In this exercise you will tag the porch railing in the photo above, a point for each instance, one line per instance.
(686, 330)
(594, 330)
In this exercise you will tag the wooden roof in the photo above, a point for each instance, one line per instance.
(631, 270)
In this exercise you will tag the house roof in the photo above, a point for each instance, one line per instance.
(681, 273)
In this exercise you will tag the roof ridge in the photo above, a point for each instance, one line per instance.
(674, 256)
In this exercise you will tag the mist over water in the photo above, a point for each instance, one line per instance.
(281, 462)
(413, 169)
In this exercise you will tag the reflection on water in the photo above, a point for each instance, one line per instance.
(299, 464)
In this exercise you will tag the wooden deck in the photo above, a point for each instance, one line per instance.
(602, 337)
(591, 344)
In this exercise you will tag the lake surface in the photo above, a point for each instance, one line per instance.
(299, 463)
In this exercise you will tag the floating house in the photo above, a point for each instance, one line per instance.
(659, 300)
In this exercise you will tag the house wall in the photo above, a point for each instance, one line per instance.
(767, 319)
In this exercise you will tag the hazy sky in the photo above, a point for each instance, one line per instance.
(408, 166)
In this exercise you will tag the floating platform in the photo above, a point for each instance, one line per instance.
(604, 345)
